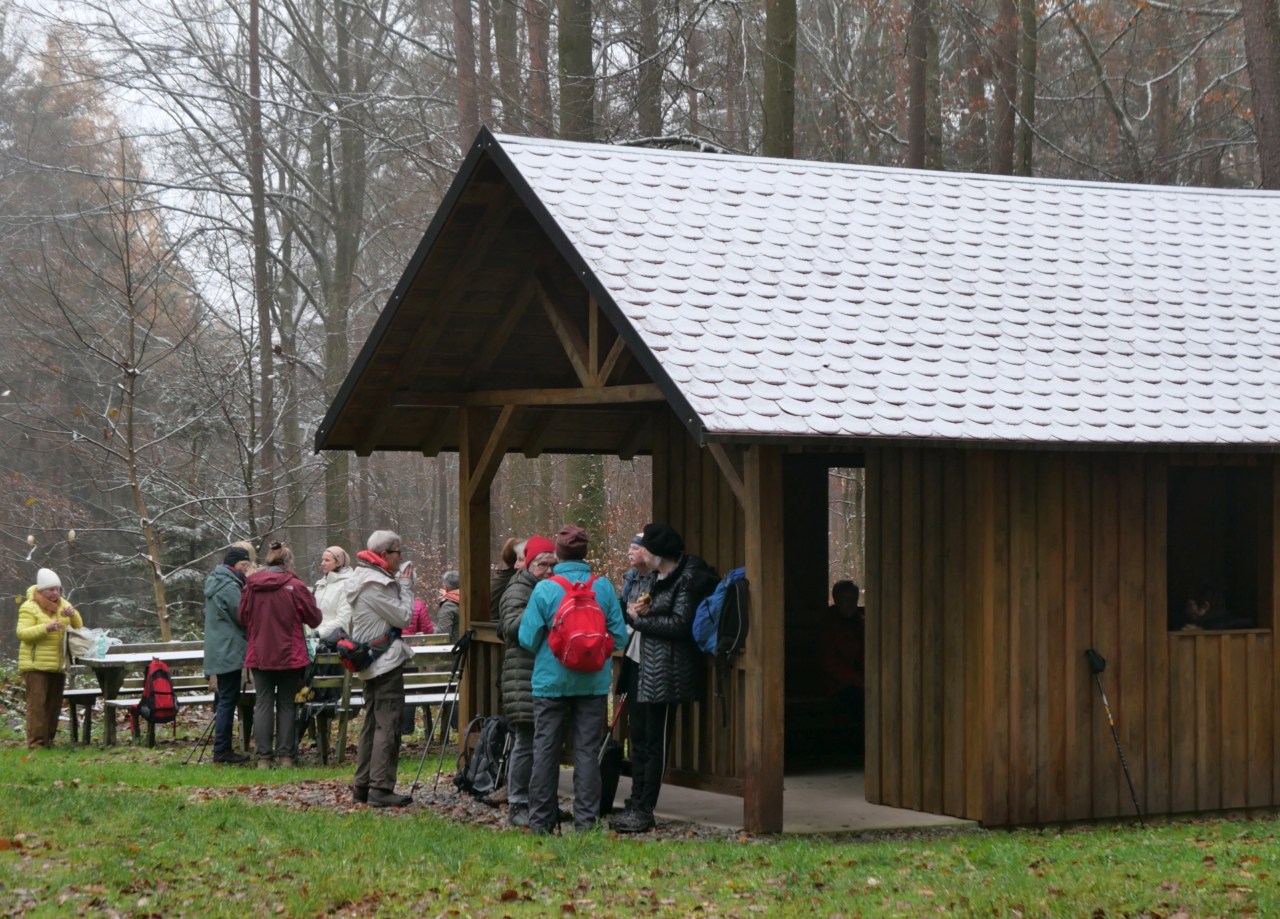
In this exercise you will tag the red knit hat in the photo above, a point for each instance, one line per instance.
(535, 546)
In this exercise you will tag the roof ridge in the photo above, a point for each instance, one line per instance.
(807, 165)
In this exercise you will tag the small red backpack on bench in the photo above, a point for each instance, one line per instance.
(158, 705)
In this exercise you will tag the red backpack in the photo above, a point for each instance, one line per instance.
(158, 705)
(579, 637)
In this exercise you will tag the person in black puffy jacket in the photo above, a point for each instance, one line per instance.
(666, 666)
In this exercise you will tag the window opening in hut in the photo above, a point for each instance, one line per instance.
(1219, 548)
(825, 545)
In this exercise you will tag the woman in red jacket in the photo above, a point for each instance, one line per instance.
(273, 608)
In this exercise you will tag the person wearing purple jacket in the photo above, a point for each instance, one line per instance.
(274, 607)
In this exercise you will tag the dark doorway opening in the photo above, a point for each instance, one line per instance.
(1219, 545)
(823, 714)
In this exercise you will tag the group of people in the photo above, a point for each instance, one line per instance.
(258, 619)
(650, 616)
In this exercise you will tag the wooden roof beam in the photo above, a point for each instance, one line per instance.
(494, 449)
(634, 438)
(536, 441)
(497, 340)
(568, 333)
(730, 463)
(438, 429)
(597, 395)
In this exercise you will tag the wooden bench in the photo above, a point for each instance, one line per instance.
(187, 690)
(83, 698)
(424, 686)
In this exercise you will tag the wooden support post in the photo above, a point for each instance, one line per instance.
(477, 447)
(765, 696)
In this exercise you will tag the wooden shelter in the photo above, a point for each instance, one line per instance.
(1064, 395)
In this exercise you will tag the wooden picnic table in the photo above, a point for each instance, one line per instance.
(111, 670)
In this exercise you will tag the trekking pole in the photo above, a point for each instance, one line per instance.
(453, 675)
(1097, 663)
(608, 735)
(460, 664)
(200, 742)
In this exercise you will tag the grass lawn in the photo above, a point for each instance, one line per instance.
(101, 832)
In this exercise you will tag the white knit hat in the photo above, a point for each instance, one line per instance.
(46, 578)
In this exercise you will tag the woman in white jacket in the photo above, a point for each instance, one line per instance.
(331, 591)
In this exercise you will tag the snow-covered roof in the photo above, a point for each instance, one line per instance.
(795, 298)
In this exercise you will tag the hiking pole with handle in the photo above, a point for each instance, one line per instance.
(1098, 663)
(608, 734)
(455, 676)
(201, 742)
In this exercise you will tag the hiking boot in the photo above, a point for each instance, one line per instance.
(359, 794)
(386, 797)
(286, 762)
(634, 821)
(230, 758)
(497, 799)
(621, 816)
(264, 763)
(518, 815)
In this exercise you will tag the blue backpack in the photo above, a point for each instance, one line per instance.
(720, 624)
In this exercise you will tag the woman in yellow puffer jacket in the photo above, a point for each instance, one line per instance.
(42, 628)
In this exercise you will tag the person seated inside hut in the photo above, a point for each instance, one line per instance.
(843, 665)
(1207, 610)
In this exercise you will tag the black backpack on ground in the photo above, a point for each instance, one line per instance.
(731, 637)
(482, 769)
(610, 769)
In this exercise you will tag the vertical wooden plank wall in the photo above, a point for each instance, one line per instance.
(692, 495)
(1056, 552)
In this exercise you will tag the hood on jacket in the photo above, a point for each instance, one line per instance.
(219, 578)
(264, 580)
(364, 574)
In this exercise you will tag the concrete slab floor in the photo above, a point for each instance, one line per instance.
(826, 801)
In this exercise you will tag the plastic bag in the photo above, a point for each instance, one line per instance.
(90, 644)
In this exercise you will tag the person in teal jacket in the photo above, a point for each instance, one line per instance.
(562, 696)
(225, 644)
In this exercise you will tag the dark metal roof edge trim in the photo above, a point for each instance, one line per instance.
(639, 350)
(388, 314)
(861, 443)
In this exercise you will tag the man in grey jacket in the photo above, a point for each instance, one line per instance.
(381, 594)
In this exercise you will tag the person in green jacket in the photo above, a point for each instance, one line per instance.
(225, 644)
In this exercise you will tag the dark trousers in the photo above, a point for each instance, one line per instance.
(854, 699)
(224, 711)
(649, 728)
(551, 718)
(275, 711)
(44, 705)
(378, 747)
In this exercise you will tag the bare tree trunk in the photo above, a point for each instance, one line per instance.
(1262, 48)
(261, 279)
(933, 93)
(506, 30)
(464, 51)
(486, 64)
(692, 65)
(976, 88)
(649, 76)
(1165, 103)
(1005, 67)
(736, 133)
(779, 108)
(577, 74)
(917, 80)
(1027, 91)
(537, 20)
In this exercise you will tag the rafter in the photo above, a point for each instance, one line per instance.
(497, 339)
(631, 442)
(536, 441)
(568, 333)
(437, 431)
(494, 449)
(615, 359)
(598, 395)
(730, 463)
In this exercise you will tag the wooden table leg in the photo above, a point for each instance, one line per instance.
(344, 715)
(75, 724)
(110, 680)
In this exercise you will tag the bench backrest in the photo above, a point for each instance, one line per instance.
(135, 684)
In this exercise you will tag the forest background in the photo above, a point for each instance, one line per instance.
(204, 207)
